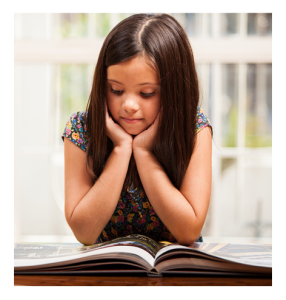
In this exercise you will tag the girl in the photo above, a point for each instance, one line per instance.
(138, 160)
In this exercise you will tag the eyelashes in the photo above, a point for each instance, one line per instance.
(145, 95)
(116, 92)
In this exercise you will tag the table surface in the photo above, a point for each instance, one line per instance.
(72, 280)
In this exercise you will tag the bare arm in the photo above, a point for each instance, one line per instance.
(88, 206)
(182, 211)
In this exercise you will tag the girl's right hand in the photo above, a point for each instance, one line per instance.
(117, 134)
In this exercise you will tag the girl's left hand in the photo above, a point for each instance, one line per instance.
(144, 140)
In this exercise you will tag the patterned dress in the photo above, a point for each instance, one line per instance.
(134, 213)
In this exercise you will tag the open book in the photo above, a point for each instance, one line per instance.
(142, 255)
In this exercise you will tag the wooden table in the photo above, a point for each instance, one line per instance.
(56, 280)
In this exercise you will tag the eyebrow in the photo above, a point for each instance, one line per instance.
(138, 84)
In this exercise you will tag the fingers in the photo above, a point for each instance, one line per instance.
(106, 109)
(106, 115)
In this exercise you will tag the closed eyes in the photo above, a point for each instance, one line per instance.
(115, 92)
(146, 95)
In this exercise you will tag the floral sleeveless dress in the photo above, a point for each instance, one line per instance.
(134, 213)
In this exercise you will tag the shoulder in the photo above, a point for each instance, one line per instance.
(202, 120)
(75, 130)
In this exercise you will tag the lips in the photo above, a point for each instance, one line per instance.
(132, 121)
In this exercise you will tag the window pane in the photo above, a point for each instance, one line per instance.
(102, 25)
(74, 90)
(259, 106)
(228, 197)
(257, 197)
(229, 24)
(31, 26)
(198, 24)
(123, 16)
(73, 25)
(259, 24)
(245, 197)
(204, 76)
(210, 93)
(33, 125)
(229, 105)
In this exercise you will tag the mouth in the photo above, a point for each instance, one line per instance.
(132, 121)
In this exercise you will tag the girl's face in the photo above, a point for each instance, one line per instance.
(133, 94)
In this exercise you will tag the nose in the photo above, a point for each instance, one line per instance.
(130, 105)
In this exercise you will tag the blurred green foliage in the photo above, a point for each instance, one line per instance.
(74, 91)
(102, 24)
(257, 132)
(230, 137)
(73, 25)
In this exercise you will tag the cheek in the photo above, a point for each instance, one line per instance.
(153, 117)
(111, 104)
(154, 110)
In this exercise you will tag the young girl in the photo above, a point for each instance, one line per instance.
(138, 160)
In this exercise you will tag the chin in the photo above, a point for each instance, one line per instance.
(133, 131)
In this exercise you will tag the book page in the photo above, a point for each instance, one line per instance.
(137, 240)
(44, 250)
(251, 254)
(29, 255)
(191, 264)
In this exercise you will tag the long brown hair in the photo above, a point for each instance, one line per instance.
(162, 41)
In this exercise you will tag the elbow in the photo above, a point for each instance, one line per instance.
(189, 235)
(83, 236)
(186, 241)
(81, 232)
(86, 241)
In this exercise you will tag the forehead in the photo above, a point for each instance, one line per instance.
(136, 70)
